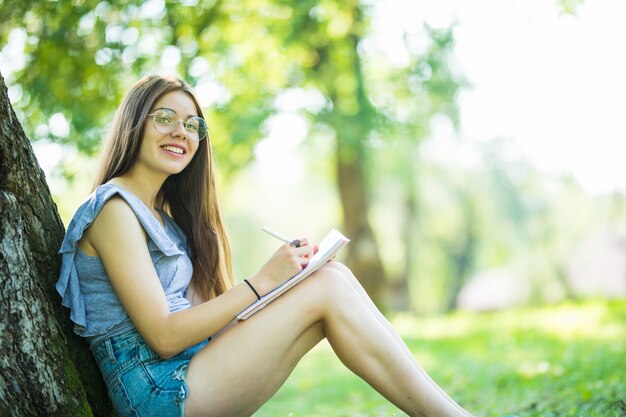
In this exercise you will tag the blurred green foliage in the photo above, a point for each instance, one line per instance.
(79, 57)
(82, 56)
(570, 6)
(371, 158)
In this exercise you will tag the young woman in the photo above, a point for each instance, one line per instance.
(146, 273)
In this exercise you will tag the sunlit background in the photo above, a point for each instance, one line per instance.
(490, 141)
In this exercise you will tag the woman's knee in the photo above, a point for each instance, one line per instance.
(337, 265)
(345, 271)
(332, 285)
(323, 281)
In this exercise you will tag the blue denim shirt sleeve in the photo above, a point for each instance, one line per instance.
(68, 285)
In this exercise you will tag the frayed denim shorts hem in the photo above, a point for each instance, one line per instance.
(139, 382)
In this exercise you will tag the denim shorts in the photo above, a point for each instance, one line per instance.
(140, 383)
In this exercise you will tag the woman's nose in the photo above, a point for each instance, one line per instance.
(179, 130)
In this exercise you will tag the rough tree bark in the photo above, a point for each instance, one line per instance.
(45, 370)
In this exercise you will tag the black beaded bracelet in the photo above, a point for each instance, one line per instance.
(252, 288)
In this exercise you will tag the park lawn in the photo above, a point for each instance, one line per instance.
(561, 360)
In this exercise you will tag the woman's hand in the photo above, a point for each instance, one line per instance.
(286, 262)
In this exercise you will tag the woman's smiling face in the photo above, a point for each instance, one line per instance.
(169, 153)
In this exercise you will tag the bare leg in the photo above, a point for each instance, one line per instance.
(390, 329)
(240, 370)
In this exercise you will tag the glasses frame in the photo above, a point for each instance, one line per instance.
(175, 124)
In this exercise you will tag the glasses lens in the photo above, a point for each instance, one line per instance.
(196, 128)
(164, 121)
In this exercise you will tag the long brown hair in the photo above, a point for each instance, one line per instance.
(190, 196)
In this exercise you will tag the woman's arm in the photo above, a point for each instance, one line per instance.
(120, 241)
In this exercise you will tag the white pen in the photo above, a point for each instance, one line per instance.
(292, 242)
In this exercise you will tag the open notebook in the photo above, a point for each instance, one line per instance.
(328, 248)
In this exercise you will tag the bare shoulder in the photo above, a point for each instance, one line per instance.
(115, 221)
(115, 211)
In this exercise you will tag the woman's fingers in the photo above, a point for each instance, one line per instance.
(296, 243)
(304, 252)
(303, 249)
(288, 260)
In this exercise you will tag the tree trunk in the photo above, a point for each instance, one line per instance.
(399, 289)
(45, 369)
(461, 253)
(362, 256)
(337, 74)
(353, 131)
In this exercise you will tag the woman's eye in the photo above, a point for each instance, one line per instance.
(164, 119)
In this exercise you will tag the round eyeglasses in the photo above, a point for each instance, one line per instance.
(165, 122)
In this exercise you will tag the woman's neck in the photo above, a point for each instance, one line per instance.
(145, 188)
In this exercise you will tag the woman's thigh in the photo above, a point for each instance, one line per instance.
(244, 366)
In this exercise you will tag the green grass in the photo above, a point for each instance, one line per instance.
(563, 360)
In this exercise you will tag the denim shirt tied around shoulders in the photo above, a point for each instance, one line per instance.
(83, 284)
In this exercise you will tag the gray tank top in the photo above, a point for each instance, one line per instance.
(84, 286)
